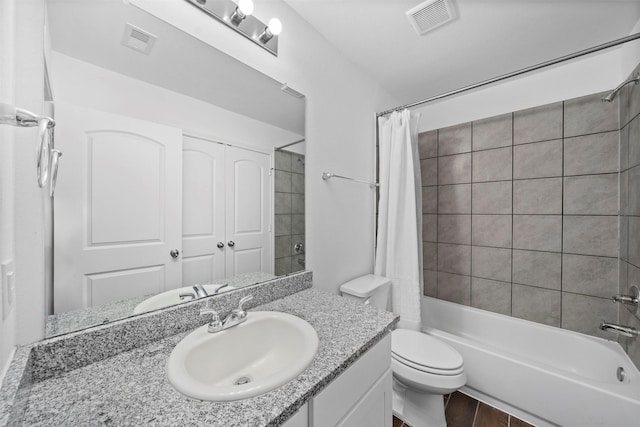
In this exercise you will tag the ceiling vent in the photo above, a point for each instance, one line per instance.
(430, 15)
(138, 39)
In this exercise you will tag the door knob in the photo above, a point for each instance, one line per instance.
(231, 243)
(174, 253)
(220, 245)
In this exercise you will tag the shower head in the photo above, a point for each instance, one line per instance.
(300, 160)
(609, 98)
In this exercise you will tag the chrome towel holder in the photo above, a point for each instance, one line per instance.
(46, 156)
(328, 175)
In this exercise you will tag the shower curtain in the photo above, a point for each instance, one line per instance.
(399, 242)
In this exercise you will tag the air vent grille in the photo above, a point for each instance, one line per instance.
(430, 15)
(138, 39)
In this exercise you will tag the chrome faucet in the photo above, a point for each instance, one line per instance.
(627, 331)
(236, 317)
(200, 292)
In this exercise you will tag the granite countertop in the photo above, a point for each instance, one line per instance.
(131, 388)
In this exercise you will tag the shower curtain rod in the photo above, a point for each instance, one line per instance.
(289, 144)
(517, 73)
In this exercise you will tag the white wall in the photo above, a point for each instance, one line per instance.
(80, 83)
(341, 103)
(595, 73)
(7, 321)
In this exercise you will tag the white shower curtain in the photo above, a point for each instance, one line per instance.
(399, 244)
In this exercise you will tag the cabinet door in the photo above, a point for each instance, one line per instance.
(300, 418)
(117, 208)
(374, 409)
(203, 211)
(248, 210)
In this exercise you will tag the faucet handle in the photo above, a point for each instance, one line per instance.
(215, 318)
(243, 301)
(218, 287)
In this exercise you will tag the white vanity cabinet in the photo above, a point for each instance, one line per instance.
(360, 396)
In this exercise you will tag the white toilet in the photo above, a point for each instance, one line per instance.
(424, 368)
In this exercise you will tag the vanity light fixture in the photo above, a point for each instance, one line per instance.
(238, 15)
(273, 29)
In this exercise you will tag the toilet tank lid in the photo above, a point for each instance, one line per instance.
(365, 286)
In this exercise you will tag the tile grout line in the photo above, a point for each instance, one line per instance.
(471, 222)
(475, 415)
(513, 119)
(562, 217)
(437, 210)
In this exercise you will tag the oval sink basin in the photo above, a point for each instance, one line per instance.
(172, 297)
(266, 351)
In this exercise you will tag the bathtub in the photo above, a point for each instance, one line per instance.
(543, 375)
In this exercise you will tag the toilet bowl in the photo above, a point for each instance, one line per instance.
(424, 368)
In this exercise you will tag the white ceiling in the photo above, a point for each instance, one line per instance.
(488, 38)
(92, 30)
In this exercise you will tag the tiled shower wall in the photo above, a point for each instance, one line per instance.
(289, 212)
(520, 213)
(630, 206)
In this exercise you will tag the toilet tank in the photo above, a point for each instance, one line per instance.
(369, 289)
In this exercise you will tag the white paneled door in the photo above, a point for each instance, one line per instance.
(226, 211)
(248, 207)
(117, 208)
(203, 212)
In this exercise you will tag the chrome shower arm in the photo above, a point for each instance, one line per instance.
(635, 79)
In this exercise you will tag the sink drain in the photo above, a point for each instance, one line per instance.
(242, 380)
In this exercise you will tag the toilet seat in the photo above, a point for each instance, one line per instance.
(425, 353)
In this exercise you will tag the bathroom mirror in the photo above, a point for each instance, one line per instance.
(173, 171)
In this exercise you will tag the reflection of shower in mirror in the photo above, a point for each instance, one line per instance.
(300, 160)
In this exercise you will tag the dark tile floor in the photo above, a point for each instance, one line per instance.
(465, 411)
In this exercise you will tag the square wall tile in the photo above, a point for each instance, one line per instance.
(591, 195)
(588, 114)
(297, 163)
(634, 190)
(297, 183)
(493, 132)
(623, 193)
(634, 240)
(590, 275)
(428, 144)
(624, 237)
(633, 142)
(297, 224)
(282, 266)
(429, 171)
(454, 199)
(492, 165)
(536, 304)
(623, 277)
(537, 232)
(454, 139)
(491, 263)
(538, 124)
(581, 313)
(538, 160)
(623, 159)
(282, 182)
(430, 281)
(537, 196)
(454, 258)
(282, 203)
(429, 200)
(429, 256)
(430, 228)
(282, 225)
(492, 197)
(454, 288)
(283, 161)
(454, 169)
(454, 229)
(591, 235)
(297, 203)
(541, 269)
(283, 246)
(491, 295)
(591, 154)
(491, 230)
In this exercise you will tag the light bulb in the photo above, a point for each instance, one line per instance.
(246, 7)
(275, 26)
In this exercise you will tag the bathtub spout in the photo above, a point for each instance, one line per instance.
(627, 331)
